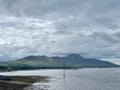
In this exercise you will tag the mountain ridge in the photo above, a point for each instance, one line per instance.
(69, 61)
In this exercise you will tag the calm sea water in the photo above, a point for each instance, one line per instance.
(81, 79)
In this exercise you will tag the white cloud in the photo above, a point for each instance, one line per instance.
(54, 27)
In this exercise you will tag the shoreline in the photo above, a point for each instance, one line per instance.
(54, 69)
(19, 82)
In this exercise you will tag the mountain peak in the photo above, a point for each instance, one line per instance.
(32, 57)
(73, 54)
(72, 61)
(77, 56)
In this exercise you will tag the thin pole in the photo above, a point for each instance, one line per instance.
(64, 70)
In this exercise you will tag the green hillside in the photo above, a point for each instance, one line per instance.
(44, 62)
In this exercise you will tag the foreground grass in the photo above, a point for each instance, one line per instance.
(19, 82)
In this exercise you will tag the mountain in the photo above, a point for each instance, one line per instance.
(69, 61)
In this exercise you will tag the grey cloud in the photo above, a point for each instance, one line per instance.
(117, 35)
(59, 27)
(105, 36)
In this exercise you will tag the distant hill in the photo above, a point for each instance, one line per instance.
(44, 62)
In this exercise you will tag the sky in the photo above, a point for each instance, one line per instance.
(90, 28)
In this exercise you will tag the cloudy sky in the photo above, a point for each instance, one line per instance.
(59, 27)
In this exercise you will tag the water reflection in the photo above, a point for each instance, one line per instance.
(81, 79)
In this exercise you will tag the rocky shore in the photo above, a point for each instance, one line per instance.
(19, 82)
